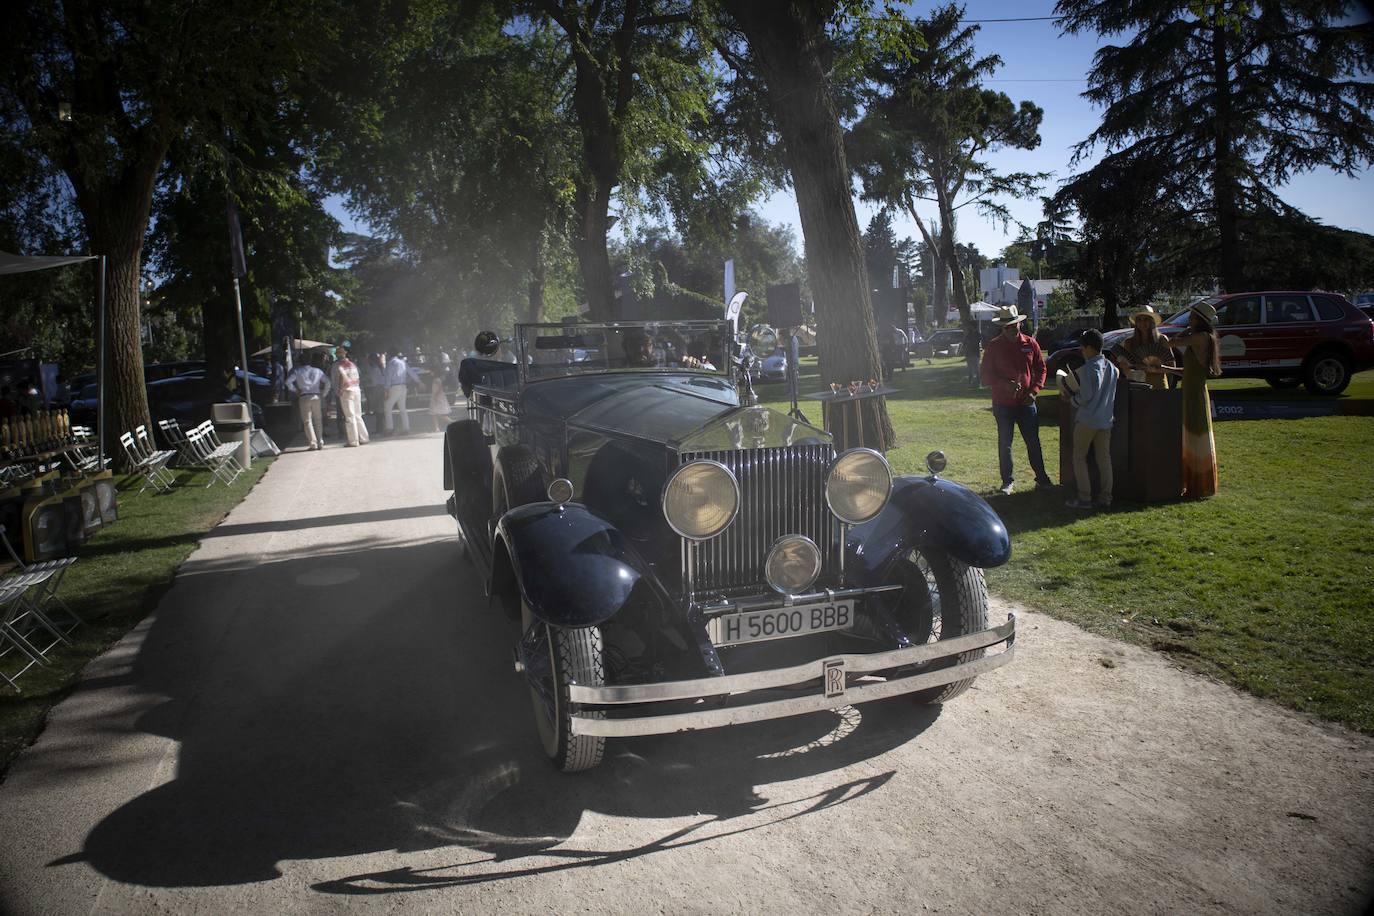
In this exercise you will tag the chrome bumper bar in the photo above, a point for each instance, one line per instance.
(833, 692)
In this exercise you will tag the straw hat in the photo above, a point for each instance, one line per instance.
(1205, 310)
(1145, 311)
(1008, 315)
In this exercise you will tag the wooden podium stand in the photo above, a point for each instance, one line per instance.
(1147, 445)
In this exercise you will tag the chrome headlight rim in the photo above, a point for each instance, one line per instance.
(830, 473)
(815, 573)
(667, 484)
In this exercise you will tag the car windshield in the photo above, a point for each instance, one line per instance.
(553, 350)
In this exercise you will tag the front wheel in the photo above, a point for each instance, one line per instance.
(942, 598)
(1327, 373)
(566, 656)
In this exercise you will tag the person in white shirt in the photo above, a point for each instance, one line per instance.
(396, 377)
(309, 384)
(348, 384)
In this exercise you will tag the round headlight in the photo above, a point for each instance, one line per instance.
(793, 564)
(700, 499)
(859, 484)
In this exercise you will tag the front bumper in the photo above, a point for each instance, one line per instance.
(833, 690)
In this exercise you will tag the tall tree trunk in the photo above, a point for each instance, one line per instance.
(219, 332)
(538, 280)
(788, 44)
(126, 396)
(1226, 172)
(593, 257)
(951, 257)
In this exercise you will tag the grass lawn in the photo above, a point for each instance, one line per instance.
(122, 573)
(1269, 585)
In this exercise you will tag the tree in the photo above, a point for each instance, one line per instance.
(640, 95)
(880, 249)
(928, 128)
(136, 76)
(1133, 241)
(454, 144)
(1228, 99)
(287, 236)
(764, 254)
(784, 53)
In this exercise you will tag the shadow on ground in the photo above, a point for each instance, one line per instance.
(378, 711)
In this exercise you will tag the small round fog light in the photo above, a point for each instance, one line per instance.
(793, 564)
(561, 491)
(936, 462)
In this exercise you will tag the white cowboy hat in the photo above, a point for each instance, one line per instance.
(1145, 311)
(1008, 315)
(1206, 310)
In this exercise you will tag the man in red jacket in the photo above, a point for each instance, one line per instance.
(1015, 371)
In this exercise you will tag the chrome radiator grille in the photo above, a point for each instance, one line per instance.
(782, 491)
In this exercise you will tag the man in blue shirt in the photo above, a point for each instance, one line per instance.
(396, 376)
(1092, 428)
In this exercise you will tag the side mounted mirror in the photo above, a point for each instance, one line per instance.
(486, 343)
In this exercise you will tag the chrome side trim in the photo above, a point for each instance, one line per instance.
(785, 677)
(777, 709)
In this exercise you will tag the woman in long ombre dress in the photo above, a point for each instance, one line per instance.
(1201, 361)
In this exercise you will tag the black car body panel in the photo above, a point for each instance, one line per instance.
(928, 512)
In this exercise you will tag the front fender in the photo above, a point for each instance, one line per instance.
(573, 568)
(931, 513)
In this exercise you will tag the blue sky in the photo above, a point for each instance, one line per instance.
(1040, 65)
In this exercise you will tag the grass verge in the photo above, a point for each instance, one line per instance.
(122, 573)
(1265, 586)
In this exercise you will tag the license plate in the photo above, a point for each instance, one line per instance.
(779, 622)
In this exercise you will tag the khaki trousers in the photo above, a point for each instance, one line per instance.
(351, 406)
(312, 418)
(396, 400)
(1100, 441)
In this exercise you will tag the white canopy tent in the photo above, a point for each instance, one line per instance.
(18, 264)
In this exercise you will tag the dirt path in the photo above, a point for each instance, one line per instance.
(322, 716)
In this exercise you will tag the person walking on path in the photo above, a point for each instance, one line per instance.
(309, 385)
(439, 409)
(396, 377)
(1014, 369)
(348, 385)
(1201, 361)
(374, 385)
(972, 345)
(1092, 428)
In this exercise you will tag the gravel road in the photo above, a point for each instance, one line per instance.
(321, 716)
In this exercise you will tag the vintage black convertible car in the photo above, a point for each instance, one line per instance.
(680, 560)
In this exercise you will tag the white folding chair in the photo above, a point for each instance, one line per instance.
(12, 640)
(41, 580)
(173, 435)
(81, 455)
(219, 460)
(142, 464)
(230, 448)
(160, 456)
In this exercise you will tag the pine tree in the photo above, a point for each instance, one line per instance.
(1228, 100)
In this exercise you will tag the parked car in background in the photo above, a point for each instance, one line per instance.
(187, 399)
(1286, 338)
(82, 409)
(773, 368)
(946, 342)
(1365, 303)
(679, 558)
(1289, 338)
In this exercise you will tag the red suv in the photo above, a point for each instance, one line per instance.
(1290, 338)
